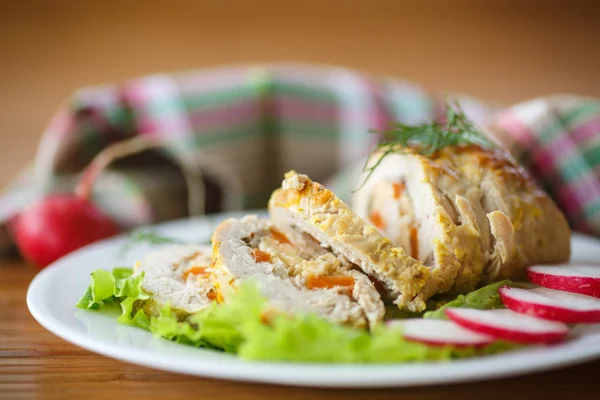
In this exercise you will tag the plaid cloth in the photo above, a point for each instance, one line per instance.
(558, 140)
(243, 127)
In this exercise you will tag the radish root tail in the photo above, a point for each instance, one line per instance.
(135, 145)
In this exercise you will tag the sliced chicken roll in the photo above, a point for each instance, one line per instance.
(178, 275)
(307, 206)
(294, 273)
(469, 213)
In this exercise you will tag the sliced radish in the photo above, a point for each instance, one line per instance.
(440, 333)
(582, 279)
(554, 305)
(508, 325)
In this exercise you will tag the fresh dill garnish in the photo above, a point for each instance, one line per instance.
(138, 237)
(427, 138)
(144, 236)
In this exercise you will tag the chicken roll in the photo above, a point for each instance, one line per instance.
(294, 273)
(468, 212)
(178, 275)
(308, 206)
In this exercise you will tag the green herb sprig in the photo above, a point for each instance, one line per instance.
(145, 236)
(427, 138)
(138, 237)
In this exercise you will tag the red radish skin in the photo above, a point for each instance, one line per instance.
(552, 305)
(61, 223)
(582, 279)
(435, 332)
(57, 225)
(508, 325)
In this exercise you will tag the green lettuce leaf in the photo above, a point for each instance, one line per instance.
(119, 286)
(238, 327)
(217, 326)
(485, 298)
(312, 339)
(209, 328)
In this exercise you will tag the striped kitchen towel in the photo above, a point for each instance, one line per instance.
(243, 127)
(557, 139)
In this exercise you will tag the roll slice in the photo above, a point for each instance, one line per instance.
(179, 275)
(296, 278)
(469, 213)
(308, 206)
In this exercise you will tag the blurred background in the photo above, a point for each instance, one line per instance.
(503, 51)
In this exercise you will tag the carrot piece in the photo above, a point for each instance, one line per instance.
(398, 189)
(192, 256)
(260, 256)
(195, 270)
(280, 237)
(328, 282)
(414, 242)
(212, 295)
(377, 219)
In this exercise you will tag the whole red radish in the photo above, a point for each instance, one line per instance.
(58, 225)
(61, 223)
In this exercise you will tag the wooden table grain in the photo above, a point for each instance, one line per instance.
(34, 364)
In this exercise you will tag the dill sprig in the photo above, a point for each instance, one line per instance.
(138, 237)
(427, 138)
(144, 236)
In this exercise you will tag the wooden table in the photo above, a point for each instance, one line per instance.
(34, 364)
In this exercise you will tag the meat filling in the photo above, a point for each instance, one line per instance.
(178, 275)
(469, 213)
(318, 269)
(294, 273)
(391, 211)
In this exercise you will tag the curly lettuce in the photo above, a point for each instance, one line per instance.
(239, 327)
(119, 286)
(485, 298)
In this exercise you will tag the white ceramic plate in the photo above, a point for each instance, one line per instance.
(53, 293)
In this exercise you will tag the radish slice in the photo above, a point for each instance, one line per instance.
(553, 305)
(437, 332)
(582, 279)
(508, 325)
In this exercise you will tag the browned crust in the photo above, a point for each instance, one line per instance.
(523, 227)
(351, 236)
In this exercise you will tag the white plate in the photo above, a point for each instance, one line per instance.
(53, 293)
